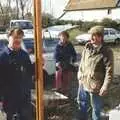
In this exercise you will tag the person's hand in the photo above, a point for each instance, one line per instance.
(103, 91)
(58, 66)
(1, 105)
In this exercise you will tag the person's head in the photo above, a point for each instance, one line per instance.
(15, 37)
(64, 36)
(97, 35)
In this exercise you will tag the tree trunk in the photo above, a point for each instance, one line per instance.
(17, 9)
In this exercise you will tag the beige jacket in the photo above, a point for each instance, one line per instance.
(96, 68)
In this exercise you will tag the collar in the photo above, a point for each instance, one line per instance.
(92, 49)
(61, 44)
(9, 50)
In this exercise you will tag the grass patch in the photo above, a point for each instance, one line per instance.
(116, 48)
(73, 33)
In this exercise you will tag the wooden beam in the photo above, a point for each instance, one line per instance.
(39, 60)
(118, 3)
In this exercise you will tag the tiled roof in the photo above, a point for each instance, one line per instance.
(91, 4)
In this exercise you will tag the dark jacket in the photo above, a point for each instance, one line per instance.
(65, 53)
(15, 75)
(96, 68)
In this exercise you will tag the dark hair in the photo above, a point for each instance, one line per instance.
(18, 31)
(64, 33)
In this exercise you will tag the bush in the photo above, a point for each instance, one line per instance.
(109, 23)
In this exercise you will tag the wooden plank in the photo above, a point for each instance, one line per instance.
(38, 64)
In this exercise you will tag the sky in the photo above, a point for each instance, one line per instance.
(56, 8)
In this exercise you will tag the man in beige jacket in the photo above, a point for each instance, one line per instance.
(96, 70)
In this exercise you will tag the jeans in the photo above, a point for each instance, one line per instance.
(87, 100)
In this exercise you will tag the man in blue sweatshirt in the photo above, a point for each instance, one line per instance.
(15, 77)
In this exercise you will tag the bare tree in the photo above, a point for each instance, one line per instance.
(29, 6)
(7, 12)
(17, 8)
(1, 8)
(23, 4)
(11, 9)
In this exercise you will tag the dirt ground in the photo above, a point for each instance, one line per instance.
(112, 100)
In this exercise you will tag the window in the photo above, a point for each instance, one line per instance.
(112, 32)
(29, 44)
(106, 32)
(23, 25)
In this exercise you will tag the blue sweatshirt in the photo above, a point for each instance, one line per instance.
(65, 53)
(15, 74)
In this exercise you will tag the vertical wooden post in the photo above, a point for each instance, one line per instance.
(39, 60)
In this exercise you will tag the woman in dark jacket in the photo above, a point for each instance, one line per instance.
(65, 56)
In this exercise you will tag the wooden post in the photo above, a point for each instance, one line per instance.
(39, 60)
